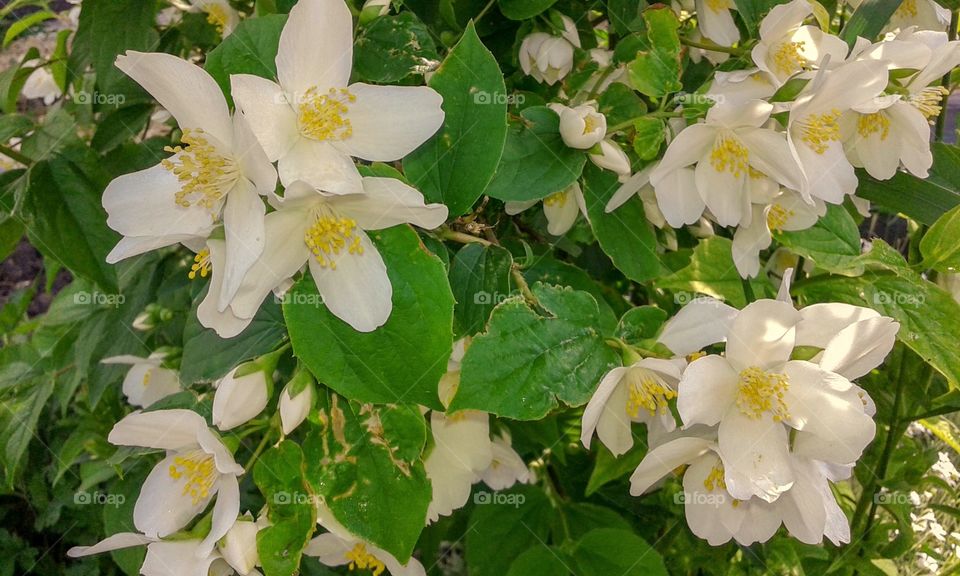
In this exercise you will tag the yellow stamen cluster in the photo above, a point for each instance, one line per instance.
(360, 558)
(929, 102)
(718, 5)
(323, 116)
(217, 15)
(330, 235)
(788, 58)
(201, 264)
(907, 9)
(715, 479)
(821, 129)
(200, 471)
(729, 154)
(777, 217)
(696, 355)
(557, 199)
(146, 378)
(647, 392)
(759, 392)
(589, 124)
(874, 123)
(205, 175)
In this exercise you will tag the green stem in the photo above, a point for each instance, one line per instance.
(260, 447)
(461, 237)
(712, 47)
(654, 114)
(747, 290)
(484, 11)
(942, 118)
(14, 155)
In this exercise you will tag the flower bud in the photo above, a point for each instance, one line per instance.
(547, 58)
(296, 401)
(239, 546)
(373, 9)
(611, 157)
(241, 395)
(582, 127)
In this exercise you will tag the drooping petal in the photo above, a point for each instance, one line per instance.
(678, 197)
(665, 458)
(225, 512)
(770, 154)
(244, 228)
(225, 323)
(748, 241)
(321, 165)
(144, 204)
(690, 145)
(755, 456)
(723, 191)
(329, 549)
(162, 429)
(176, 558)
(702, 322)
(710, 513)
(631, 186)
(561, 210)
(268, 114)
(135, 245)
(614, 426)
(760, 523)
(115, 542)
(802, 507)
(595, 407)
(389, 122)
(387, 202)
(717, 25)
(187, 91)
(913, 131)
(316, 47)
(707, 389)
(860, 347)
(762, 335)
(357, 290)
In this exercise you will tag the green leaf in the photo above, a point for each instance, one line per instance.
(25, 412)
(548, 270)
(608, 468)
(833, 242)
(535, 162)
(608, 551)
(364, 461)
(21, 25)
(13, 125)
(208, 357)
(940, 246)
(640, 323)
(524, 9)
(120, 125)
(868, 20)
(503, 528)
(624, 234)
(65, 220)
(403, 360)
(455, 165)
(649, 134)
(924, 200)
(656, 69)
(711, 272)
(926, 313)
(539, 561)
(108, 28)
(753, 11)
(479, 279)
(250, 49)
(279, 474)
(619, 103)
(391, 47)
(527, 363)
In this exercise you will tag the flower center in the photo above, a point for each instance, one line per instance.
(869, 124)
(590, 123)
(759, 392)
(146, 378)
(777, 217)
(787, 58)
(205, 175)
(330, 235)
(821, 129)
(323, 116)
(929, 100)
(728, 155)
(907, 9)
(556, 199)
(715, 479)
(217, 15)
(201, 264)
(360, 558)
(200, 472)
(718, 5)
(648, 392)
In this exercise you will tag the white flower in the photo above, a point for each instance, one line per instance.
(312, 122)
(174, 558)
(787, 47)
(327, 232)
(549, 58)
(219, 174)
(716, 22)
(755, 392)
(339, 547)
(612, 157)
(197, 468)
(945, 469)
(741, 85)
(239, 546)
(786, 212)
(737, 161)
(241, 395)
(462, 452)
(40, 84)
(924, 14)
(506, 467)
(640, 392)
(147, 381)
(560, 208)
(581, 127)
(379, 7)
(296, 400)
(814, 129)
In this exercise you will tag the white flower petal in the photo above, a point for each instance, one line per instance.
(267, 113)
(316, 47)
(707, 389)
(161, 429)
(244, 228)
(755, 456)
(702, 322)
(225, 512)
(819, 323)
(143, 204)
(665, 458)
(253, 161)
(860, 347)
(239, 399)
(177, 558)
(321, 165)
(762, 335)
(115, 542)
(690, 145)
(164, 506)
(678, 197)
(595, 407)
(388, 202)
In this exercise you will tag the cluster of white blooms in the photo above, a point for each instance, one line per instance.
(939, 547)
(763, 433)
(209, 195)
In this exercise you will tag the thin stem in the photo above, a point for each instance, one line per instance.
(654, 114)
(521, 282)
(461, 237)
(14, 155)
(712, 47)
(747, 290)
(259, 449)
(942, 118)
(484, 11)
